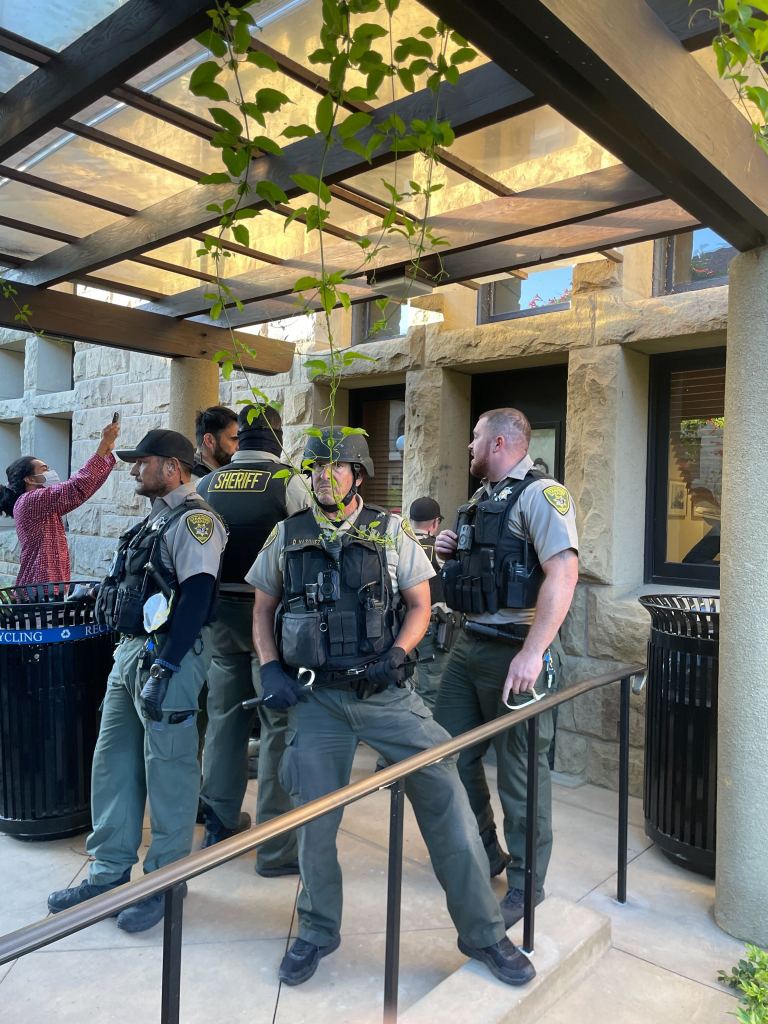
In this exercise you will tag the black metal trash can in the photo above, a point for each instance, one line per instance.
(681, 728)
(54, 662)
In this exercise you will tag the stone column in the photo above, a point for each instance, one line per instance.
(741, 903)
(437, 431)
(194, 385)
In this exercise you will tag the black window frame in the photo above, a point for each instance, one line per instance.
(664, 270)
(657, 568)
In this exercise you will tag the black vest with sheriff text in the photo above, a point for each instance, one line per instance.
(492, 568)
(250, 501)
(137, 572)
(338, 607)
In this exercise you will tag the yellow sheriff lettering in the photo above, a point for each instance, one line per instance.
(558, 497)
(240, 480)
(200, 525)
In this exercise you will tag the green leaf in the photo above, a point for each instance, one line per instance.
(262, 60)
(235, 160)
(304, 284)
(321, 56)
(463, 55)
(212, 41)
(391, 5)
(452, 74)
(217, 178)
(270, 100)
(252, 111)
(266, 145)
(357, 94)
(316, 187)
(270, 192)
(368, 30)
(353, 124)
(242, 235)
(226, 120)
(324, 115)
(241, 37)
(226, 370)
(298, 131)
(406, 77)
(216, 310)
(211, 91)
(205, 72)
(428, 32)
(282, 474)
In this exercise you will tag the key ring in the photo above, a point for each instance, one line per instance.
(535, 697)
(306, 672)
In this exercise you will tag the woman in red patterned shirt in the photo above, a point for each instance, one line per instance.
(37, 500)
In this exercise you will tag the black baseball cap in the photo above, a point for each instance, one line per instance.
(424, 509)
(168, 444)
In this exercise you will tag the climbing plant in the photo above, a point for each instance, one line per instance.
(741, 51)
(361, 62)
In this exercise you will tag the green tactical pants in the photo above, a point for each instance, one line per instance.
(470, 694)
(323, 734)
(138, 761)
(232, 678)
(429, 673)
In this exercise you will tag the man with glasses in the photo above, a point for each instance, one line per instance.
(215, 437)
(350, 587)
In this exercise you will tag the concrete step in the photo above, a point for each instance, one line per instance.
(570, 940)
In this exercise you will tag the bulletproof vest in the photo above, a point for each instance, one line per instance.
(250, 501)
(338, 608)
(436, 593)
(492, 568)
(129, 583)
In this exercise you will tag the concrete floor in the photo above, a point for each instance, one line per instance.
(662, 967)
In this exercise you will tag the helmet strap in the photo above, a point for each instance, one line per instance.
(347, 497)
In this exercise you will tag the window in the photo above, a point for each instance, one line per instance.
(686, 434)
(693, 259)
(526, 292)
(366, 314)
(381, 412)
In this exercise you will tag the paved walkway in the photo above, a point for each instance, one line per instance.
(662, 967)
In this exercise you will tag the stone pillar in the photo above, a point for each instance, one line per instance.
(741, 903)
(194, 385)
(437, 431)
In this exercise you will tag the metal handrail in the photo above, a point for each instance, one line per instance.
(169, 879)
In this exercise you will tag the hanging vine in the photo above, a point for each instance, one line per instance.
(348, 50)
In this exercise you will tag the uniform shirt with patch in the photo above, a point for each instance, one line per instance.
(406, 561)
(544, 515)
(194, 543)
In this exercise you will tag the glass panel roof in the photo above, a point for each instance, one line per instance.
(21, 243)
(55, 23)
(12, 70)
(34, 206)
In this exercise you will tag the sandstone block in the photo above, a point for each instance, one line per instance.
(571, 752)
(573, 632)
(619, 626)
(603, 766)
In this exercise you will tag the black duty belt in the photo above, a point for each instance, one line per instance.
(343, 679)
(509, 633)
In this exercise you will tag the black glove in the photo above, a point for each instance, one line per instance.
(281, 691)
(153, 692)
(390, 668)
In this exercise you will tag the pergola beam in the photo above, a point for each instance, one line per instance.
(475, 228)
(619, 73)
(128, 40)
(482, 96)
(104, 323)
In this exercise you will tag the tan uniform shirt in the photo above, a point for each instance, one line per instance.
(543, 514)
(195, 542)
(406, 561)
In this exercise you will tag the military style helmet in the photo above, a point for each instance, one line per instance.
(342, 448)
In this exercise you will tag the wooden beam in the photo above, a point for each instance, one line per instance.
(643, 224)
(616, 71)
(561, 202)
(104, 323)
(131, 38)
(482, 96)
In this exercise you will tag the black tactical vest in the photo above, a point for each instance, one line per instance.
(436, 593)
(338, 607)
(250, 501)
(129, 583)
(492, 568)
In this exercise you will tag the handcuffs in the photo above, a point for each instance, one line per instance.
(534, 695)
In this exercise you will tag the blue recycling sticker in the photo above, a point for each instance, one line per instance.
(62, 634)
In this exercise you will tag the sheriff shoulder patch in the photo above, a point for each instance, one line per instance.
(408, 530)
(200, 525)
(558, 497)
(271, 538)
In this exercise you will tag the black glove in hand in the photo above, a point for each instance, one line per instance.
(390, 668)
(281, 691)
(153, 692)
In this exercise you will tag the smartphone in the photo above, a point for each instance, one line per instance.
(115, 417)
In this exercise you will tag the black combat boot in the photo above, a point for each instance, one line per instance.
(301, 960)
(498, 858)
(513, 905)
(504, 960)
(63, 899)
